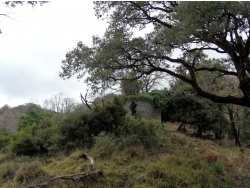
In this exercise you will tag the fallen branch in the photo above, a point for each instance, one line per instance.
(72, 177)
(7, 178)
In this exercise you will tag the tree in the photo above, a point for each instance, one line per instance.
(180, 29)
(226, 85)
(182, 104)
(130, 86)
(34, 115)
(57, 103)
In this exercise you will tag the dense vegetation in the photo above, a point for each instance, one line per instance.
(137, 152)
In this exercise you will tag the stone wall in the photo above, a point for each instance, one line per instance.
(142, 109)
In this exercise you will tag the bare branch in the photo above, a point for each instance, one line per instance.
(84, 100)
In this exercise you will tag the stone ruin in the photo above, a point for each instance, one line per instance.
(142, 109)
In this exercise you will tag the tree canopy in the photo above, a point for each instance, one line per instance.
(185, 36)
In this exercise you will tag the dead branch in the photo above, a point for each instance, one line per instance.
(72, 177)
(7, 178)
(85, 100)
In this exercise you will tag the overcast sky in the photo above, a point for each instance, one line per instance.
(33, 43)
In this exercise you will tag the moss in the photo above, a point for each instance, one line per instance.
(140, 97)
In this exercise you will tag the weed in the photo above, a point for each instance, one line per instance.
(29, 172)
(218, 168)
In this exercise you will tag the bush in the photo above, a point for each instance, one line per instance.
(105, 144)
(24, 144)
(140, 132)
(78, 130)
(134, 133)
(5, 138)
(73, 133)
(34, 114)
(35, 139)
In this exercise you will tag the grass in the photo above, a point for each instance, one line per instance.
(178, 163)
(218, 168)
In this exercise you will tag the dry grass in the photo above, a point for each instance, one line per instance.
(179, 163)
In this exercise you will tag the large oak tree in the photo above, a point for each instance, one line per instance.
(184, 36)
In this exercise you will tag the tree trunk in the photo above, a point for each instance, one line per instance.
(236, 133)
(199, 131)
(182, 126)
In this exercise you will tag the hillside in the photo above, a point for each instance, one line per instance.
(182, 161)
(9, 116)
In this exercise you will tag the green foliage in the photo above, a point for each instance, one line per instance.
(142, 97)
(73, 132)
(182, 104)
(107, 118)
(186, 29)
(107, 127)
(35, 114)
(140, 132)
(105, 144)
(25, 143)
(36, 138)
(130, 85)
(78, 129)
(5, 138)
(218, 168)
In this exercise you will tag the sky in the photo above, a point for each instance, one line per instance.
(33, 43)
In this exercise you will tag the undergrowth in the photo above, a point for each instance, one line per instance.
(175, 164)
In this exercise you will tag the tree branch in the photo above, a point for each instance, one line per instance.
(154, 19)
(216, 69)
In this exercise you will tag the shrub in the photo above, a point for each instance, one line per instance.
(105, 144)
(24, 144)
(35, 114)
(140, 132)
(35, 139)
(5, 138)
(79, 129)
(73, 133)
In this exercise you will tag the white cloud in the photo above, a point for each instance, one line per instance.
(33, 44)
